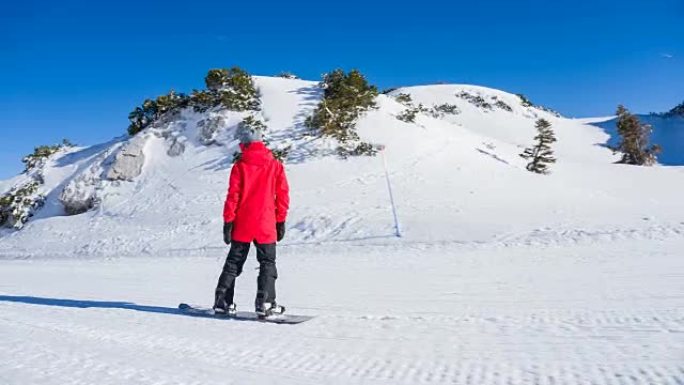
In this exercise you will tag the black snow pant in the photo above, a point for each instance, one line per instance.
(266, 255)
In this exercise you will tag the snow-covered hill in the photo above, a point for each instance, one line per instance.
(502, 276)
(457, 179)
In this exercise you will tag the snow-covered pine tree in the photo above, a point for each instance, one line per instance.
(634, 140)
(541, 155)
(39, 156)
(19, 204)
(287, 75)
(411, 112)
(216, 78)
(524, 101)
(446, 108)
(404, 99)
(171, 101)
(153, 109)
(346, 96)
(234, 87)
(281, 154)
(200, 101)
(231, 88)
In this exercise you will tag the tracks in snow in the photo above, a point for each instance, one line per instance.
(583, 314)
(548, 347)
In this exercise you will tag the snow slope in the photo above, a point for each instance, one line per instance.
(501, 277)
(457, 179)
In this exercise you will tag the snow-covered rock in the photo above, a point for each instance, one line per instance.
(209, 128)
(78, 197)
(176, 148)
(129, 162)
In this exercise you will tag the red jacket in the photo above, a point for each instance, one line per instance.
(258, 195)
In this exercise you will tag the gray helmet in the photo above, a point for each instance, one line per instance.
(246, 134)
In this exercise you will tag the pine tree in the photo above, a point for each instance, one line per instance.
(287, 75)
(541, 155)
(171, 101)
(216, 78)
(201, 101)
(404, 98)
(634, 140)
(39, 156)
(19, 204)
(525, 101)
(346, 96)
(234, 89)
(143, 116)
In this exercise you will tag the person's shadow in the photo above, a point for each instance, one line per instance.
(242, 316)
(83, 304)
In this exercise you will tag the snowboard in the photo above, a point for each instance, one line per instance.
(286, 319)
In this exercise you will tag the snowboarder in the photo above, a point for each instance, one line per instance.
(255, 211)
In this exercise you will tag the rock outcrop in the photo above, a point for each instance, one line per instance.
(129, 161)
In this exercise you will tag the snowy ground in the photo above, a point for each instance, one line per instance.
(600, 313)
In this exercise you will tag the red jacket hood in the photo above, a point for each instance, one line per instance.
(255, 153)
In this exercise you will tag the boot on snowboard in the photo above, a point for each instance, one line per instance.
(269, 309)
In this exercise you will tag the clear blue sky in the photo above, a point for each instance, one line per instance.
(75, 68)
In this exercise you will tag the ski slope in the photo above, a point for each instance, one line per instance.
(501, 276)
(581, 314)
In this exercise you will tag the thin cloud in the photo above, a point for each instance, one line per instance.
(667, 55)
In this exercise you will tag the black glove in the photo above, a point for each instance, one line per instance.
(227, 231)
(280, 230)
